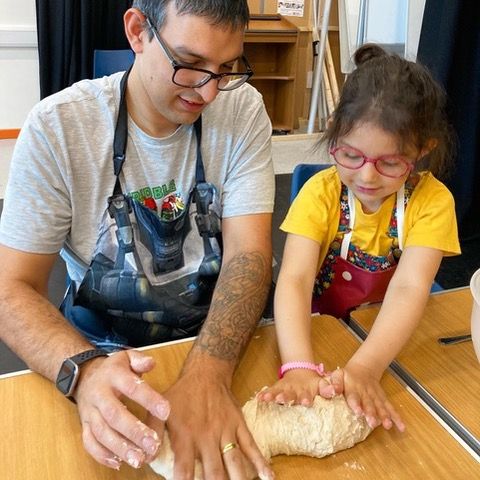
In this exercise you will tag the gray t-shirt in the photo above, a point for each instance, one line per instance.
(62, 169)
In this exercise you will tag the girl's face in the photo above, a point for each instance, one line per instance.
(366, 183)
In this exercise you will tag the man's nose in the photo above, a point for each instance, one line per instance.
(209, 91)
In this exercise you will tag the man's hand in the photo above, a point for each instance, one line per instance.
(111, 434)
(205, 417)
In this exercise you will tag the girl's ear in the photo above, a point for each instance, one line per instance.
(430, 145)
(133, 21)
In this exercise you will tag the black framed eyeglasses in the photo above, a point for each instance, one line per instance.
(393, 166)
(190, 77)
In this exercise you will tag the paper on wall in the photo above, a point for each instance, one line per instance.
(292, 8)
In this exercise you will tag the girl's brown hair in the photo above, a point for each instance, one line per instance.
(402, 98)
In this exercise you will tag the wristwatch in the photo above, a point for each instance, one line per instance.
(69, 373)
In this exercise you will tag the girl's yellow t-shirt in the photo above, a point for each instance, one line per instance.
(430, 219)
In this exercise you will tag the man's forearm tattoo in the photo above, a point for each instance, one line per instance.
(237, 304)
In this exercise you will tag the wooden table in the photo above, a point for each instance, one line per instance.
(451, 374)
(41, 436)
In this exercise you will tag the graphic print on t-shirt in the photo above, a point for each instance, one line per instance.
(163, 199)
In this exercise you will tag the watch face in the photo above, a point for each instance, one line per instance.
(67, 377)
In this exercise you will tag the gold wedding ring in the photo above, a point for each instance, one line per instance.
(228, 447)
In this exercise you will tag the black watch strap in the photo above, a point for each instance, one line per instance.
(87, 355)
(70, 370)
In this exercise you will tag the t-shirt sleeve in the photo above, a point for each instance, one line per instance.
(431, 219)
(36, 216)
(314, 212)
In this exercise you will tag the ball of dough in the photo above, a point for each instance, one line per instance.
(324, 428)
(163, 463)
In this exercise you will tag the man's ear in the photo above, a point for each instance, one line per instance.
(133, 21)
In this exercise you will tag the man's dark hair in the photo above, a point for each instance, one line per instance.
(229, 13)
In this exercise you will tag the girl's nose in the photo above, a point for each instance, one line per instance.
(368, 172)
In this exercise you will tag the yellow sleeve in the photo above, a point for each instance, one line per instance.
(315, 212)
(430, 219)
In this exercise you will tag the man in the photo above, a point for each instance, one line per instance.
(63, 194)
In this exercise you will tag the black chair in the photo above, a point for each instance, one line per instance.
(106, 62)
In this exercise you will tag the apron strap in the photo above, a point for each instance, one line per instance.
(400, 215)
(199, 169)
(348, 236)
(120, 136)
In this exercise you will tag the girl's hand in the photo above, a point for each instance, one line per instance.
(364, 395)
(297, 387)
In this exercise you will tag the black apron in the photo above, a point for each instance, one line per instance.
(124, 300)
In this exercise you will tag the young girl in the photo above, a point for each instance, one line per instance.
(373, 227)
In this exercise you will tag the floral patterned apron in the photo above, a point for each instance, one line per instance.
(350, 277)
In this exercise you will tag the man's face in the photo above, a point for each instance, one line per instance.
(193, 42)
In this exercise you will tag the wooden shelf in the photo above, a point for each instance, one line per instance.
(271, 47)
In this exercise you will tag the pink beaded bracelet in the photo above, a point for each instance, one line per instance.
(320, 369)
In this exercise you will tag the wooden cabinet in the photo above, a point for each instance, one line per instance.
(271, 47)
